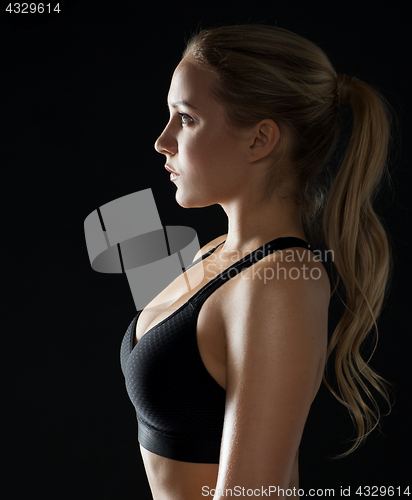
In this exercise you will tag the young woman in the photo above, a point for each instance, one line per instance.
(223, 375)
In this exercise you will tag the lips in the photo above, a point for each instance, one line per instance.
(170, 170)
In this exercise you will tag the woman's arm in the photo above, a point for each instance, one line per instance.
(276, 344)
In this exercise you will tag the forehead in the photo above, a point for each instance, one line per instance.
(191, 83)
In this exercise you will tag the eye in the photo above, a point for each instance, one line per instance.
(185, 119)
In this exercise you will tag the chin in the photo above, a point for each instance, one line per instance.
(192, 201)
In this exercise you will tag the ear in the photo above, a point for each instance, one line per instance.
(264, 137)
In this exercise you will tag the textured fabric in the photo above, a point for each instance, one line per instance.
(179, 406)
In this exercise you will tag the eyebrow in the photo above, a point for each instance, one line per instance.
(184, 103)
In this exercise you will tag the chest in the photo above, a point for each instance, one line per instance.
(209, 329)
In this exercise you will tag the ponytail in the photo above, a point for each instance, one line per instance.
(362, 256)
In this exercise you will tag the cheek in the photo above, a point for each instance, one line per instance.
(199, 153)
(211, 151)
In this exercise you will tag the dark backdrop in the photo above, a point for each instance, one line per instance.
(83, 99)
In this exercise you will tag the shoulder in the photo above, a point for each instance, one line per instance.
(281, 301)
(286, 276)
(209, 246)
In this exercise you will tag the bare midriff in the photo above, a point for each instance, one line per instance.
(174, 480)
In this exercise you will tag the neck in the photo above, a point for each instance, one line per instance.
(250, 225)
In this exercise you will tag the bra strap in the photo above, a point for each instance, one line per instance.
(248, 260)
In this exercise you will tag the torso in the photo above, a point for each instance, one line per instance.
(171, 479)
(209, 327)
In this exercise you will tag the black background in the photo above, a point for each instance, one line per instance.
(83, 99)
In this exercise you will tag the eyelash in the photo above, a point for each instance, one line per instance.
(183, 116)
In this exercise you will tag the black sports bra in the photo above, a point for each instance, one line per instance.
(180, 407)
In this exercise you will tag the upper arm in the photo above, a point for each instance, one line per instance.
(209, 246)
(276, 340)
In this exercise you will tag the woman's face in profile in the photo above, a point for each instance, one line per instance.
(199, 144)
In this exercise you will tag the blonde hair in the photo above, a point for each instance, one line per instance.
(269, 72)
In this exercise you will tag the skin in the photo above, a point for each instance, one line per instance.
(267, 340)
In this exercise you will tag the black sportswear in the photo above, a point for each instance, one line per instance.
(180, 407)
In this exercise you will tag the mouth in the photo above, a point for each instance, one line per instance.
(170, 170)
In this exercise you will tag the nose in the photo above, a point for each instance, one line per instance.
(166, 142)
